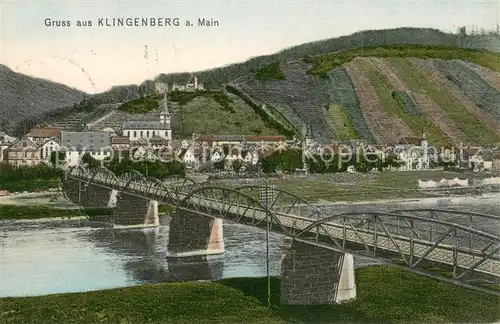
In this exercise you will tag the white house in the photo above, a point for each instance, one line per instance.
(47, 147)
(147, 129)
(187, 156)
(5, 142)
(251, 157)
(414, 152)
(479, 160)
(76, 144)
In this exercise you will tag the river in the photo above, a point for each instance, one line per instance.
(41, 257)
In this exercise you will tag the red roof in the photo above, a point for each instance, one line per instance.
(265, 138)
(120, 140)
(45, 132)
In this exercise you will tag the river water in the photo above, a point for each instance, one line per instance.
(38, 258)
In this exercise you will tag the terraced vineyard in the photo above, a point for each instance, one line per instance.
(453, 119)
(385, 81)
(78, 121)
(300, 97)
(491, 133)
(115, 120)
(470, 82)
(491, 77)
(386, 128)
(342, 93)
(339, 121)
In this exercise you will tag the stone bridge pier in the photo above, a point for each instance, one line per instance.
(88, 194)
(133, 211)
(311, 275)
(191, 234)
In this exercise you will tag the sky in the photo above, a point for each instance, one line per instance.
(94, 59)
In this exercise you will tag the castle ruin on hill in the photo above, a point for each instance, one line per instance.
(191, 85)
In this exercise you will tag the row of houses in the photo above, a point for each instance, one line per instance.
(37, 146)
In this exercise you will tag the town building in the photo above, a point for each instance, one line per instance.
(24, 152)
(413, 152)
(120, 143)
(40, 133)
(5, 142)
(47, 147)
(76, 144)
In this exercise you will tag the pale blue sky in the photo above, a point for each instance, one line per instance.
(115, 55)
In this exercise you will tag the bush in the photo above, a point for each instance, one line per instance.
(140, 105)
(29, 178)
(286, 160)
(272, 71)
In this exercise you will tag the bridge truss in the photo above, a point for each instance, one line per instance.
(133, 182)
(465, 245)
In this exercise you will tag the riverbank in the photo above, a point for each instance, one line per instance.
(25, 212)
(386, 294)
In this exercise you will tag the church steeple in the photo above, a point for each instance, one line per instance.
(309, 131)
(165, 114)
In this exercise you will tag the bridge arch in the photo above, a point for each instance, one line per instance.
(103, 175)
(233, 200)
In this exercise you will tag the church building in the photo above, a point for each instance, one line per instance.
(148, 129)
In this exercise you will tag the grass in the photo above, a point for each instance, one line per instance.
(386, 294)
(270, 72)
(418, 124)
(385, 185)
(270, 115)
(340, 123)
(140, 105)
(14, 212)
(324, 63)
(475, 130)
(204, 115)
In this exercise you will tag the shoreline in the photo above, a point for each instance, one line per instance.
(408, 200)
(457, 200)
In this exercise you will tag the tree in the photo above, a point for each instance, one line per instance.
(89, 162)
(176, 168)
(237, 165)
(57, 158)
(219, 165)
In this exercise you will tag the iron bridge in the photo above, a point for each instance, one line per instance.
(465, 245)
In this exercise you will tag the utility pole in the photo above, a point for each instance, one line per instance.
(267, 196)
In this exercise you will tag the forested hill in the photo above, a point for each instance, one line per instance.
(24, 98)
(216, 77)
(417, 36)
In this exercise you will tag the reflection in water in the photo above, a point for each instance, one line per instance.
(40, 258)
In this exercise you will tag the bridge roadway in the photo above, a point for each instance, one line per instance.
(303, 228)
